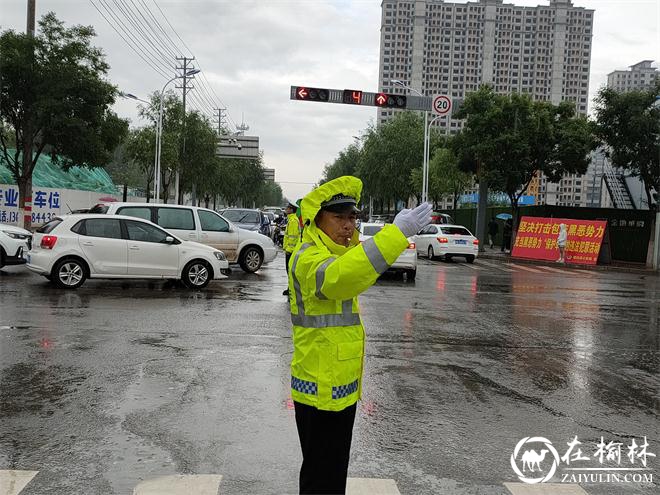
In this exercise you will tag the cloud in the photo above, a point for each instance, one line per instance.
(252, 51)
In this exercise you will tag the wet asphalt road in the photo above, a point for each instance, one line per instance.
(120, 382)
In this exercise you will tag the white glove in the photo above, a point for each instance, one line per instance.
(412, 221)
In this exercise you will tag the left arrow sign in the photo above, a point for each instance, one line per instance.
(302, 93)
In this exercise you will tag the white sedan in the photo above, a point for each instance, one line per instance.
(69, 249)
(446, 241)
(406, 262)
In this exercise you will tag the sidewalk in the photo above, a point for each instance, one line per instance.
(496, 254)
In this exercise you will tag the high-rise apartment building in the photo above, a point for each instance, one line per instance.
(641, 76)
(452, 48)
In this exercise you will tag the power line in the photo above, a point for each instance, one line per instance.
(190, 51)
(134, 36)
(129, 43)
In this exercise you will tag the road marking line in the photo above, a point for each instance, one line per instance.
(12, 482)
(526, 268)
(551, 269)
(371, 486)
(470, 265)
(544, 489)
(199, 484)
(497, 266)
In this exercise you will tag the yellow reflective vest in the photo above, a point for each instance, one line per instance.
(324, 282)
(292, 233)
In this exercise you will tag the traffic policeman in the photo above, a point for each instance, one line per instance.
(328, 270)
(291, 236)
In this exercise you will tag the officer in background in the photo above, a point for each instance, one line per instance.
(291, 236)
(328, 271)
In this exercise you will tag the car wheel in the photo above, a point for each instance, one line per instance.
(196, 274)
(470, 258)
(430, 253)
(251, 259)
(69, 273)
(411, 274)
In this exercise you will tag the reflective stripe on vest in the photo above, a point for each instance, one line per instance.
(344, 390)
(374, 255)
(320, 277)
(346, 319)
(304, 387)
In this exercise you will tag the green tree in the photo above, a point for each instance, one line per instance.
(389, 154)
(270, 194)
(124, 170)
(507, 139)
(199, 162)
(172, 131)
(445, 177)
(629, 123)
(140, 148)
(345, 164)
(54, 98)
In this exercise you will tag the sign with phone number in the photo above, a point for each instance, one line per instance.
(45, 205)
(537, 239)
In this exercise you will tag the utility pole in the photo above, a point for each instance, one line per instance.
(31, 9)
(25, 201)
(185, 68)
(221, 120)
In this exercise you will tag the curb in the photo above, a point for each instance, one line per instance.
(632, 268)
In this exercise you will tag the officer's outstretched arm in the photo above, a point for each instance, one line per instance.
(357, 270)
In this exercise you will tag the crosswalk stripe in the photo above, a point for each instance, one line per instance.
(371, 486)
(497, 266)
(544, 489)
(12, 482)
(526, 268)
(199, 484)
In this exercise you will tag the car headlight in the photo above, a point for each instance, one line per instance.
(14, 235)
(220, 255)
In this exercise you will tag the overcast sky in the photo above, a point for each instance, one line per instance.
(252, 52)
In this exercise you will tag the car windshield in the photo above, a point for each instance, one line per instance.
(455, 231)
(241, 216)
(371, 229)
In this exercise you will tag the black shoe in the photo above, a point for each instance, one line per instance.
(286, 292)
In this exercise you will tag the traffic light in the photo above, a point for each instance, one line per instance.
(352, 97)
(390, 101)
(312, 94)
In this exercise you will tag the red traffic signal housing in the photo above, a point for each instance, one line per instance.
(312, 94)
(390, 101)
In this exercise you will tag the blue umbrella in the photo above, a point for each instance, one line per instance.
(504, 216)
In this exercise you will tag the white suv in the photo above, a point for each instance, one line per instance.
(249, 249)
(69, 249)
(15, 242)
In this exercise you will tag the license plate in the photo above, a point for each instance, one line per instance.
(460, 241)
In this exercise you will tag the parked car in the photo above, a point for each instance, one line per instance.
(406, 262)
(249, 249)
(271, 228)
(72, 248)
(446, 241)
(248, 219)
(15, 242)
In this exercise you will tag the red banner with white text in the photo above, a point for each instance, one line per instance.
(537, 239)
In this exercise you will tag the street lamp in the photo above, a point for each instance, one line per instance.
(425, 159)
(130, 96)
(159, 131)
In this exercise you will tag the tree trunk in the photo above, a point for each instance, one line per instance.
(148, 191)
(25, 199)
(125, 195)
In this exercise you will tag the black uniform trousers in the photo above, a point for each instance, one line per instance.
(287, 257)
(325, 439)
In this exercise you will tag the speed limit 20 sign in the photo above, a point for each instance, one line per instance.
(441, 104)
